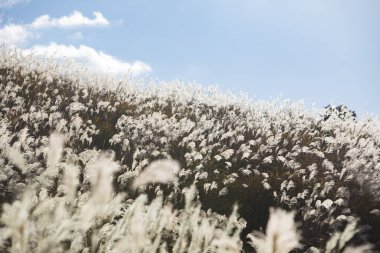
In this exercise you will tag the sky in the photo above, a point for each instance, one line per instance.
(319, 51)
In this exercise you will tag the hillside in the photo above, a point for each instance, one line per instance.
(73, 143)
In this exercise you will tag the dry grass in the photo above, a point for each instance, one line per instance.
(78, 170)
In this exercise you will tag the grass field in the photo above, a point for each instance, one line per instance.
(90, 163)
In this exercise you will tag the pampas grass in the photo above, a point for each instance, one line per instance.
(89, 163)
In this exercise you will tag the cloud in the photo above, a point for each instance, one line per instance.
(94, 60)
(10, 3)
(14, 34)
(75, 19)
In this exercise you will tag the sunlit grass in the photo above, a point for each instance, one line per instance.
(79, 173)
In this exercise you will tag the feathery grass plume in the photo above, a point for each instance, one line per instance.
(11, 152)
(18, 226)
(55, 149)
(339, 240)
(101, 200)
(71, 181)
(201, 232)
(16, 157)
(281, 235)
(366, 248)
(159, 171)
(227, 241)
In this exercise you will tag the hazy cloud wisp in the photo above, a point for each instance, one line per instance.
(95, 60)
(75, 19)
(11, 3)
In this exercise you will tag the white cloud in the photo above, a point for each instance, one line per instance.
(95, 60)
(10, 3)
(75, 19)
(14, 34)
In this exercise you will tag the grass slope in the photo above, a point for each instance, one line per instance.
(324, 166)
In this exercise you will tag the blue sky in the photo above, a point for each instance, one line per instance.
(321, 51)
